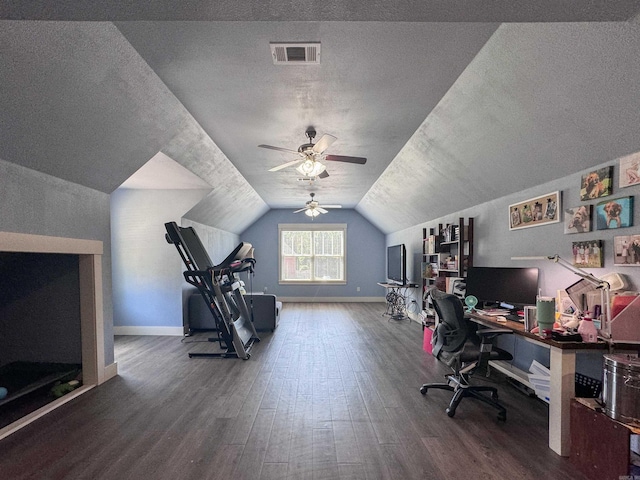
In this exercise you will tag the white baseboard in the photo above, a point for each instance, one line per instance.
(110, 371)
(332, 299)
(164, 331)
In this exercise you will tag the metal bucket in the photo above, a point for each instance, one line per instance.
(621, 389)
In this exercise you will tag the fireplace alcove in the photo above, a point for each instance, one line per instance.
(69, 280)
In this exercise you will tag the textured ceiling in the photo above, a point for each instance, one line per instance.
(450, 106)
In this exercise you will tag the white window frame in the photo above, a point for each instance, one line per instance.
(302, 227)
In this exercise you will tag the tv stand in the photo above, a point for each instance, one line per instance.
(396, 299)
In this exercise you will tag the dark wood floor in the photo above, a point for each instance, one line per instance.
(332, 394)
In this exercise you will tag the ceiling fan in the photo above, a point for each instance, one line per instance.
(312, 208)
(311, 154)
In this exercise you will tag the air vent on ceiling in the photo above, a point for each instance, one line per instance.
(295, 53)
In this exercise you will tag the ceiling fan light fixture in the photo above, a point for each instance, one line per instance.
(311, 168)
(311, 212)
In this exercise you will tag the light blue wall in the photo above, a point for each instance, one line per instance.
(147, 271)
(36, 203)
(365, 255)
(495, 244)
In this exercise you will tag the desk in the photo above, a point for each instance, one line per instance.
(396, 299)
(562, 360)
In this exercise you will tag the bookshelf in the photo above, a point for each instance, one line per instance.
(446, 254)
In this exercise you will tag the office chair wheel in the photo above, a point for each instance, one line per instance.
(423, 390)
(247, 357)
(450, 412)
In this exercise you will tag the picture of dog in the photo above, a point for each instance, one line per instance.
(596, 184)
(613, 211)
(578, 219)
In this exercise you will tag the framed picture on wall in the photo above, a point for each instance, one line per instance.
(614, 213)
(536, 211)
(626, 250)
(578, 219)
(588, 254)
(630, 170)
(596, 184)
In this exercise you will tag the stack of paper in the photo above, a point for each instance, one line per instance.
(539, 378)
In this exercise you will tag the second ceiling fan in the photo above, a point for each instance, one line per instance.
(311, 154)
(312, 208)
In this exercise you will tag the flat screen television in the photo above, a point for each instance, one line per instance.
(509, 285)
(396, 264)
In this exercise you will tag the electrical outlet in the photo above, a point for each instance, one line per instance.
(357, 289)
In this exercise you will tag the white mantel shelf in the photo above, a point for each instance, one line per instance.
(94, 371)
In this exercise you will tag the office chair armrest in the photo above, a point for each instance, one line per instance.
(488, 334)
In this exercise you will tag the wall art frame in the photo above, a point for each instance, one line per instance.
(588, 254)
(626, 251)
(597, 183)
(578, 219)
(614, 213)
(541, 210)
(629, 172)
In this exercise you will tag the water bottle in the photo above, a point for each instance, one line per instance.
(587, 330)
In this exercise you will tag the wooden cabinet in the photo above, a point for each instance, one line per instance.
(446, 254)
(600, 446)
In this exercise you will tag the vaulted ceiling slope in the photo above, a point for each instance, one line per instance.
(79, 103)
(450, 106)
(539, 102)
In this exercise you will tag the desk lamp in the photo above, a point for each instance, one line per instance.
(602, 285)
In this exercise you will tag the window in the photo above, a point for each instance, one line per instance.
(313, 253)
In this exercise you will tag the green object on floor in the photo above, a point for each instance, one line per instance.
(62, 389)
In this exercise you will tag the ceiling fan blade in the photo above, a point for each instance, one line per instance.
(325, 142)
(331, 206)
(324, 174)
(342, 158)
(284, 165)
(301, 210)
(321, 210)
(280, 149)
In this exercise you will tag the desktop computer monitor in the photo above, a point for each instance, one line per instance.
(496, 285)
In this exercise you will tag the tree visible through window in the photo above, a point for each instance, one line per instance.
(312, 254)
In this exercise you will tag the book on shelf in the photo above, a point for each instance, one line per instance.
(430, 245)
(451, 233)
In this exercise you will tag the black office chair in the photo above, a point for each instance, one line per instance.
(458, 343)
